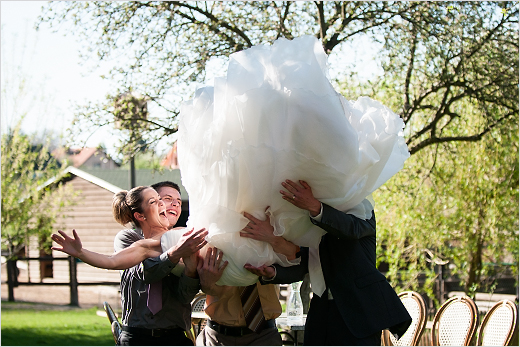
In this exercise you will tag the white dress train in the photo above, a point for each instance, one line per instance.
(275, 116)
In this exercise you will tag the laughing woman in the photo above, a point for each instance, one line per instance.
(142, 207)
(142, 323)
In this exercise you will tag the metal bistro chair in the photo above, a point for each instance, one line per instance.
(455, 323)
(197, 306)
(416, 307)
(498, 326)
(288, 340)
(114, 321)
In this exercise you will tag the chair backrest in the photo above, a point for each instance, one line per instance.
(115, 326)
(498, 325)
(455, 322)
(198, 303)
(414, 304)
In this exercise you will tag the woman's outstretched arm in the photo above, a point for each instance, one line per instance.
(123, 259)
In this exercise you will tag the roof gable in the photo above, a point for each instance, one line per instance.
(143, 177)
(116, 180)
(93, 179)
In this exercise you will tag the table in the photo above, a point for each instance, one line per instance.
(199, 315)
(281, 322)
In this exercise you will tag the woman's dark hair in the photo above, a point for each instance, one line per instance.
(125, 203)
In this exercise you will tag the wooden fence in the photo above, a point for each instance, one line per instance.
(12, 278)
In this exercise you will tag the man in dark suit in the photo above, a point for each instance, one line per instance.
(352, 301)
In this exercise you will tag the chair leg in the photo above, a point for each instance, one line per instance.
(191, 335)
(116, 331)
(291, 341)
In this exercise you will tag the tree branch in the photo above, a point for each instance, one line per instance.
(215, 20)
(321, 21)
(470, 138)
(406, 106)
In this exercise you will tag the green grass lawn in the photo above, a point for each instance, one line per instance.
(22, 325)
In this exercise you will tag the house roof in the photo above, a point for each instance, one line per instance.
(171, 160)
(116, 180)
(143, 177)
(81, 156)
(94, 179)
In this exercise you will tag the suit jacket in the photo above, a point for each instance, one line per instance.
(367, 302)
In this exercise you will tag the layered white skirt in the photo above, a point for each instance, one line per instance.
(275, 116)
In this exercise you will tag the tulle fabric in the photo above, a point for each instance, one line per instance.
(275, 116)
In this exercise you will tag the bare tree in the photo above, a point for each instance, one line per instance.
(437, 56)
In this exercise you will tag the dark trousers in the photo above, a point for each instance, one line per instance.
(132, 339)
(326, 327)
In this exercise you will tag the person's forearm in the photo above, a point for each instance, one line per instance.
(174, 255)
(315, 208)
(290, 274)
(213, 290)
(99, 260)
(152, 269)
(120, 260)
(191, 271)
(155, 269)
(285, 275)
(344, 225)
(287, 248)
(187, 289)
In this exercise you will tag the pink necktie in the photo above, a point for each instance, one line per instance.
(154, 301)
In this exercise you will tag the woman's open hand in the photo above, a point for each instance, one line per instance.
(190, 242)
(71, 246)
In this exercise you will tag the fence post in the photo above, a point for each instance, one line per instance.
(11, 278)
(73, 282)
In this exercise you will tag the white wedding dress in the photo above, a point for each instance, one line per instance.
(275, 116)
